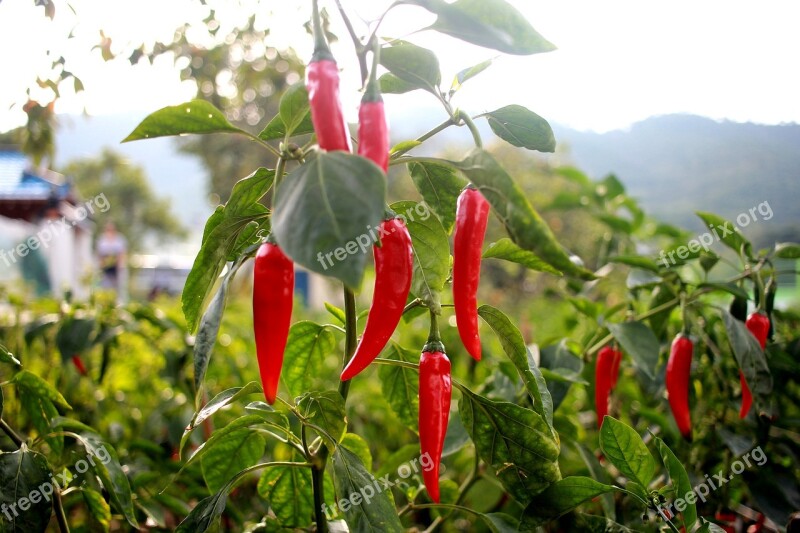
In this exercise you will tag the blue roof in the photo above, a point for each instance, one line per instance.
(17, 181)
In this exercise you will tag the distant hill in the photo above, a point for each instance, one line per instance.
(675, 164)
(678, 164)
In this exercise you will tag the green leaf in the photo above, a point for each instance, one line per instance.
(239, 449)
(514, 441)
(21, 474)
(358, 446)
(468, 73)
(560, 498)
(220, 436)
(587, 523)
(431, 250)
(627, 451)
(514, 346)
(751, 360)
(325, 210)
(507, 250)
(220, 238)
(559, 359)
(500, 522)
(306, 348)
(208, 330)
(74, 336)
(488, 23)
(412, 64)
(336, 313)
(36, 385)
(730, 288)
(41, 402)
(289, 492)
(325, 413)
(440, 186)
(599, 474)
(294, 109)
(637, 261)
(391, 84)
(353, 484)
(680, 481)
(197, 116)
(787, 250)
(104, 461)
(205, 515)
(727, 232)
(639, 342)
(400, 386)
(522, 127)
(99, 509)
(8, 357)
(404, 146)
(523, 224)
(710, 527)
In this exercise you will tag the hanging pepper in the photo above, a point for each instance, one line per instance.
(758, 324)
(322, 83)
(472, 214)
(273, 292)
(435, 389)
(394, 264)
(605, 379)
(373, 131)
(678, 378)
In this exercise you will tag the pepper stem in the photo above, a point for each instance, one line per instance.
(372, 92)
(434, 343)
(321, 49)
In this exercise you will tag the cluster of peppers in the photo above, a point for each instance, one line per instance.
(678, 374)
(273, 283)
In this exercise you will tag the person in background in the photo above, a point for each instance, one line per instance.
(111, 249)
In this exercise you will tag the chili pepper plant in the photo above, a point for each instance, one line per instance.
(322, 195)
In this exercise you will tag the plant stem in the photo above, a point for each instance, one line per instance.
(351, 336)
(280, 169)
(361, 50)
(473, 129)
(61, 516)
(424, 137)
(11, 433)
(317, 478)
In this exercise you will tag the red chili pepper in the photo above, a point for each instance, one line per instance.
(78, 362)
(322, 83)
(472, 214)
(273, 292)
(373, 131)
(758, 324)
(394, 265)
(435, 391)
(678, 378)
(604, 379)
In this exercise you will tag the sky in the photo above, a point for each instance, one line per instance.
(617, 62)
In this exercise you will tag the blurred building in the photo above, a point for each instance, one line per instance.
(45, 232)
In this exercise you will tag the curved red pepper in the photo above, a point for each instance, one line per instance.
(678, 378)
(373, 130)
(435, 389)
(604, 379)
(394, 265)
(472, 214)
(322, 83)
(758, 324)
(273, 293)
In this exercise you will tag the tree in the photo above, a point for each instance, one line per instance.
(134, 208)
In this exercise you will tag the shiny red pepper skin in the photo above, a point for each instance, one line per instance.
(758, 324)
(273, 294)
(472, 215)
(394, 266)
(606, 367)
(435, 389)
(373, 130)
(678, 379)
(322, 82)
